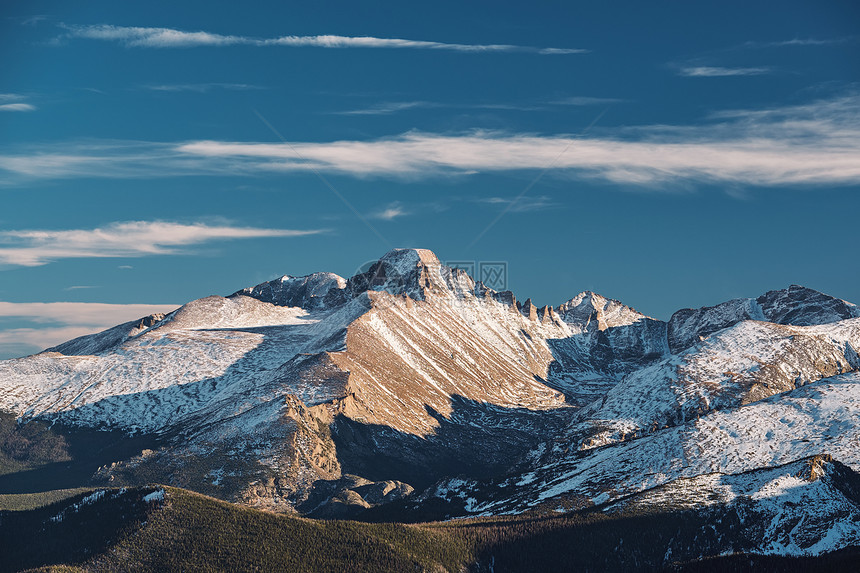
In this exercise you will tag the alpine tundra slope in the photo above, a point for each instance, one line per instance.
(412, 386)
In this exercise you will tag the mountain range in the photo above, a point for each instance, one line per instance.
(413, 392)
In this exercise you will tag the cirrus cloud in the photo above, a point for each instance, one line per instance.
(54, 322)
(17, 107)
(148, 37)
(811, 144)
(817, 143)
(390, 212)
(14, 102)
(30, 248)
(719, 72)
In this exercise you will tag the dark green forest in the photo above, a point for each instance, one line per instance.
(120, 531)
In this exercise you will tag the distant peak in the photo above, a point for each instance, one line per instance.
(586, 298)
(307, 292)
(803, 306)
(408, 259)
(796, 305)
(590, 308)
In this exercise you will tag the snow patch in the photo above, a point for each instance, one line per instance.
(88, 500)
(156, 496)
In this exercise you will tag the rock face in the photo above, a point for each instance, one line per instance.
(331, 396)
(747, 362)
(807, 507)
(589, 311)
(407, 372)
(307, 292)
(608, 340)
(618, 337)
(109, 338)
(795, 305)
(803, 306)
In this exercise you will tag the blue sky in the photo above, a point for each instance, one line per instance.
(664, 154)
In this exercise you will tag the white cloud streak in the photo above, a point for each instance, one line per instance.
(522, 205)
(56, 322)
(17, 107)
(202, 88)
(718, 72)
(757, 161)
(586, 100)
(31, 248)
(796, 42)
(390, 212)
(811, 144)
(140, 37)
(33, 20)
(15, 103)
(387, 108)
(80, 313)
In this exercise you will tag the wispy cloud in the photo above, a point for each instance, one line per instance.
(522, 205)
(103, 158)
(386, 108)
(201, 88)
(838, 117)
(33, 20)
(708, 63)
(140, 37)
(56, 322)
(390, 212)
(757, 154)
(80, 313)
(16, 342)
(716, 71)
(811, 144)
(31, 248)
(585, 100)
(817, 143)
(14, 102)
(796, 42)
(17, 107)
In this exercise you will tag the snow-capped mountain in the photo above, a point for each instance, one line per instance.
(795, 305)
(411, 381)
(807, 507)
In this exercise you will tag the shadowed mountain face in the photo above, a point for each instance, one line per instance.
(305, 292)
(412, 381)
(795, 507)
(796, 305)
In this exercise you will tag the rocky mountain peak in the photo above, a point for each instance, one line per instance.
(329, 396)
(589, 311)
(802, 306)
(796, 305)
(306, 292)
(406, 260)
(529, 310)
(410, 272)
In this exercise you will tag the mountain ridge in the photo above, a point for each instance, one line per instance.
(334, 396)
